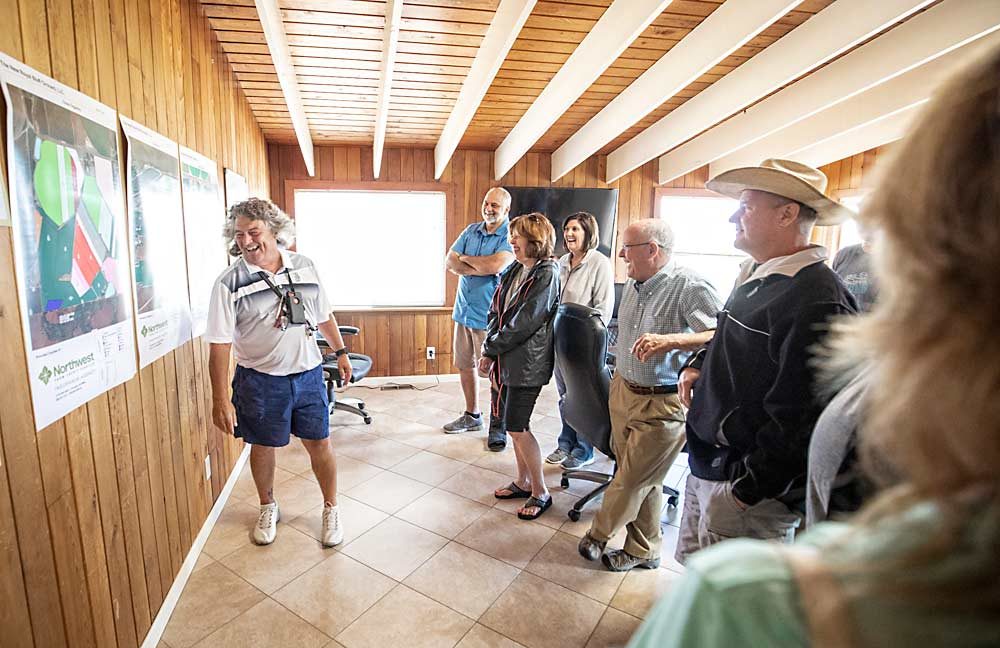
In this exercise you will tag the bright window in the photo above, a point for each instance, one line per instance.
(849, 234)
(703, 237)
(375, 248)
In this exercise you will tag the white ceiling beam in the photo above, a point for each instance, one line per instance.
(819, 135)
(899, 94)
(503, 30)
(390, 38)
(857, 140)
(621, 24)
(924, 37)
(724, 31)
(832, 31)
(277, 43)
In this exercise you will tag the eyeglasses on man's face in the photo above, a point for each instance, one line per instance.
(626, 246)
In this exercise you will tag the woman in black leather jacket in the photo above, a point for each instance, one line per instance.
(518, 352)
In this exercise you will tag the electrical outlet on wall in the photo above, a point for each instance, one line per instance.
(208, 467)
(431, 353)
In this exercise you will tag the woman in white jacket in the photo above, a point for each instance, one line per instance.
(586, 278)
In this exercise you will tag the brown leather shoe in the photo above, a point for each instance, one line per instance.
(621, 560)
(590, 548)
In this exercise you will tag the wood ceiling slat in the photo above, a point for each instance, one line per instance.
(326, 76)
(336, 48)
(665, 32)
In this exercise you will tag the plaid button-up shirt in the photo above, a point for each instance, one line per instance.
(674, 300)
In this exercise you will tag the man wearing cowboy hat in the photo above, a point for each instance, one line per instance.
(751, 391)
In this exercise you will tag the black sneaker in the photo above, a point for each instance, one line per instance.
(497, 441)
(573, 463)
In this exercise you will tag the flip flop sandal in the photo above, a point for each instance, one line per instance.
(516, 492)
(541, 505)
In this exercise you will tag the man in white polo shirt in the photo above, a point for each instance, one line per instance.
(265, 308)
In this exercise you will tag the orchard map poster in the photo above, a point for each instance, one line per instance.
(70, 245)
(204, 217)
(156, 228)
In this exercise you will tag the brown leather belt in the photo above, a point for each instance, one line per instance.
(650, 391)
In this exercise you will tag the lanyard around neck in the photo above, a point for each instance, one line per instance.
(274, 288)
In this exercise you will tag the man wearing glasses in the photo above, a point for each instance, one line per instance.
(667, 311)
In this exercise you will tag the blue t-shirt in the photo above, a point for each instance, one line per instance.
(472, 302)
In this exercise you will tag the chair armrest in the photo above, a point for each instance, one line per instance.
(349, 330)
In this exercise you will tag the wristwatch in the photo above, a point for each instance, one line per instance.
(342, 351)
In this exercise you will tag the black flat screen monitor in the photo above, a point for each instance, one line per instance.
(557, 204)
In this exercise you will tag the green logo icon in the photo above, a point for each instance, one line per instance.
(45, 375)
(144, 331)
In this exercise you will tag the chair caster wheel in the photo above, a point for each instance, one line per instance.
(564, 482)
(673, 501)
(573, 515)
(368, 420)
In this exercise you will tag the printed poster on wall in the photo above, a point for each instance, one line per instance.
(204, 218)
(156, 228)
(4, 211)
(70, 245)
(237, 189)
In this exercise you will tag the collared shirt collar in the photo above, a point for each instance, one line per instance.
(486, 232)
(286, 262)
(789, 265)
(664, 272)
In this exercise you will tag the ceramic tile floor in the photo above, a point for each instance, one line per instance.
(430, 557)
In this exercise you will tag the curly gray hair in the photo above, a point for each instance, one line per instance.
(258, 209)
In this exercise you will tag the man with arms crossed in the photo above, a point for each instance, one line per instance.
(278, 387)
(478, 256)
(666, 312)
(754, 400)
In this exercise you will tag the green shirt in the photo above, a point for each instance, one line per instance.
(743, 592)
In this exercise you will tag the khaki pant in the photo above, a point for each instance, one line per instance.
(647, 433)
(711, 515)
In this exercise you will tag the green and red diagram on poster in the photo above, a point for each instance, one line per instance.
(76, 242)
(70, 241)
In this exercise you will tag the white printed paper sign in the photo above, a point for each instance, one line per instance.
(70, 245)
(156, 229)
(204, 217)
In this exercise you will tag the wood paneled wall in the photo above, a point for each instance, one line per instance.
(397, 339)
(845, 177)
(854, 173)
(98, 510)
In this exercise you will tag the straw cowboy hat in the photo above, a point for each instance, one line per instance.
(794, 180)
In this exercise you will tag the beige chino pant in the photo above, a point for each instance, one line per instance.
(647, 433)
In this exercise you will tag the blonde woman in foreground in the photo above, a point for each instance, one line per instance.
(920, 566)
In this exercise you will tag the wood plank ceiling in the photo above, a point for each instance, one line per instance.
(554, 30)
(336, 48)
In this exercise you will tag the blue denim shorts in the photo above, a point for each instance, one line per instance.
(270, 408)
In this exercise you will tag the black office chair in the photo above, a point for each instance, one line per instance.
(360, 366)
(581, 341)
(613, 325)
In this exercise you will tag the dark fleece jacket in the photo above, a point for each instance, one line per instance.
(755, 404)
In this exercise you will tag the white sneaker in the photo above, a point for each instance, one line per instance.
(267, 524)
(333, 531)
